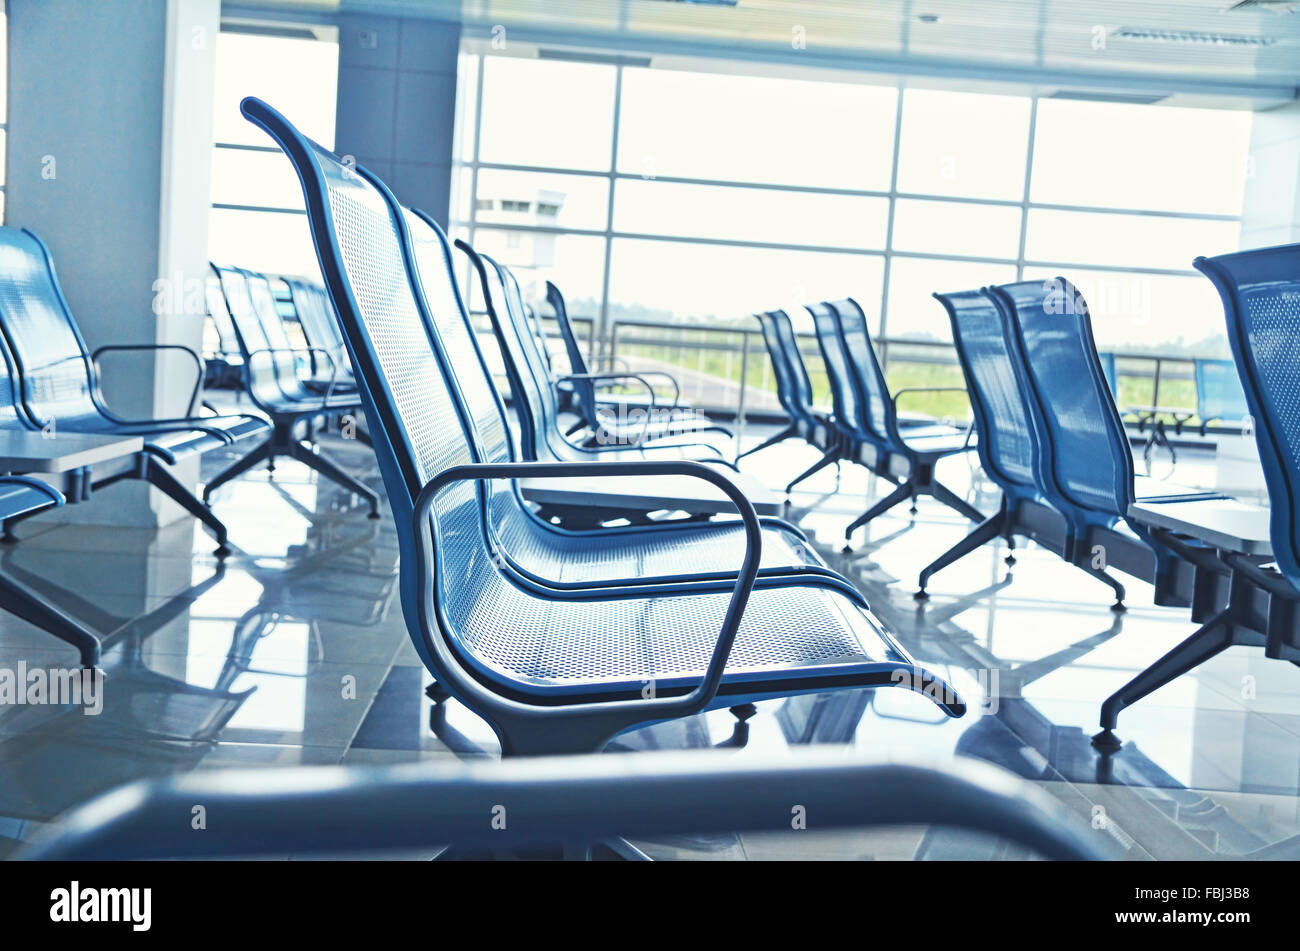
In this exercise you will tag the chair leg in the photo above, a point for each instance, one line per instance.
(900, 494)
(1210, 639)
(954, 501)
(579, 425)
(326, 467)
(163, 480)
(36, 610)
(1102, 575)
(983, 533)
(770, 441)
(236, 468)
(830, 456)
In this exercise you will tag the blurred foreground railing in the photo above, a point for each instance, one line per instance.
(570, 802)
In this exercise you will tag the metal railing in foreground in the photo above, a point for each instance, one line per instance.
(555, 801)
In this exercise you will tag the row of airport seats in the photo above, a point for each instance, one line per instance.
(1052, 439)
(50, 384)
(559, 638)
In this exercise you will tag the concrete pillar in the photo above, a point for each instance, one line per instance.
(397, 104)
(110, 139)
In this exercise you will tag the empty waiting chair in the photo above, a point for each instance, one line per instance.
(1084, 467)
(909, 454)
(793, 392)
(312, 308)
(273, 380)
(534, 398)
(605, 416)
(57, 381)
(549, 675)
(563, 559)
(1007, 447)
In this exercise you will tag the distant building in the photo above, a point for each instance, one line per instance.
(540, 208)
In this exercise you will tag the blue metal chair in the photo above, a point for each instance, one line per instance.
(1084, 467)
(273, 380)
(223, 364)
(1007, 447)
(909, 455)
(606, 417)
(1260, 290)
(1219, 395)
(58, 381)
(566, 560)
(793, 392)
(534, 396)
(549, 675)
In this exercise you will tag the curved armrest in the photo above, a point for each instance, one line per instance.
(694, 701)
(598, 377)
(329, 389)
(198, 363)
(926, 389)
(677, 389)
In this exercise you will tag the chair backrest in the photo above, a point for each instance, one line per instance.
(218, 313)
(1261, 301)
(1219, 394)
(416, 421)
(50, 359)
(874, 402)
(451, 323)
(844, 398)
(801, 385)
(527, 396)
(781, 371)
(584, 391)
(994, 380)
(258, 326)
(310, 307)
(1084, 456)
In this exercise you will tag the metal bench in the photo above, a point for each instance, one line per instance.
(548, 674)
(58, 386)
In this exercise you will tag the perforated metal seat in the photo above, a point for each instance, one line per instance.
(277, 385)
(549, 675)
(57, 380)
(556, 556)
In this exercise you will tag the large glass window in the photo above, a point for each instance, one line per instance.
(258, 219)
(656, 194)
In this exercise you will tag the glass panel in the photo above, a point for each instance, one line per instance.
(537, 198)
(300, 77)
(1125, 240)
(1157, 158)
(913, 312)
(943, 227)
(547, 113)
(576, 263)
(263, 241)
(963, 144)
(750, 214)
(752, 129)
(264, 179)
(4, 156)
(660, 280)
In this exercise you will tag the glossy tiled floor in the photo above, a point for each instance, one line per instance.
(294, 652)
